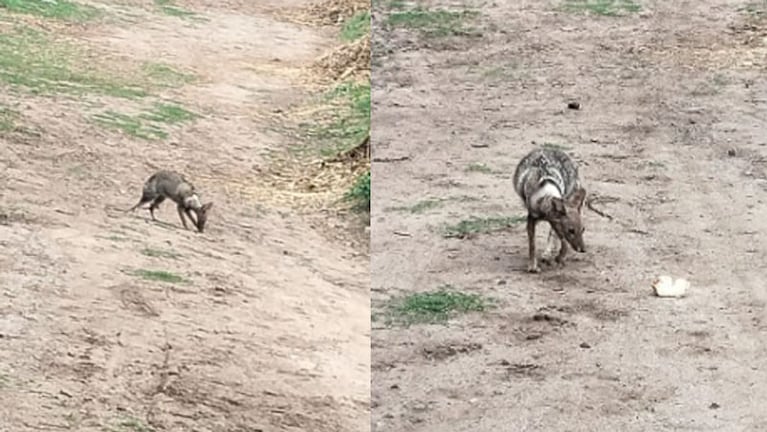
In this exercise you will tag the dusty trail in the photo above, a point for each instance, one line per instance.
(268, 328)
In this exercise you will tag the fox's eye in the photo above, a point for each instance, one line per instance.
(571, 230)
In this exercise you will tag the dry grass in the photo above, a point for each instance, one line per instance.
(346, 62)
(327, 12)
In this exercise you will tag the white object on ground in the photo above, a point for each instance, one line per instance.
(665, 286)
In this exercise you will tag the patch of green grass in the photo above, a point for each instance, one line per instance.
(602, 7)
(434, 23)
(165, 76)
(169, 8)
(479, 168)
(7, 119)
(131, 125)
(350, 122)
(421, 206)
(57, 9)
(356, 27)
(476, 225)
(435, 306)
(168, 113)
(396, 4)
(130, 424)
(359, 193)
(158, 253)
(30, 59)
(159, 276)
(147, 125)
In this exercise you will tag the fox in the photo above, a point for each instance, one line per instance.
(165, 184)
(549, 185)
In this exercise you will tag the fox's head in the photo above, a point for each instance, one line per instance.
(565, 218)
(202, 216)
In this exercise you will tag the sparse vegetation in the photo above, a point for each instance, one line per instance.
(131, 425)
(57, 9)
(479, 168)
(602, 7)
(166, 76)
(421, 206)
(159, 276)
(169, 8)
(349, 122)
(158, 253)
(356, 27)
(434, 23)
(7, 119)
(30, 59)
(360, 192)
(147, 125)
(433, 307)
(476, 225)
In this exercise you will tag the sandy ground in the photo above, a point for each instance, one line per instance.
(270, 330)
(671, 135)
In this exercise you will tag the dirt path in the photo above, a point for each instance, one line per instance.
(671, 128)
(110, 322)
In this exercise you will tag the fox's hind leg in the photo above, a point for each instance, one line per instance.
(156, 203)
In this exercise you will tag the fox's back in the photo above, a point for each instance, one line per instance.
(546, 165)
(170, 184)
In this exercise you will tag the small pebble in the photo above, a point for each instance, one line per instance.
(574, 105)
(585, 345)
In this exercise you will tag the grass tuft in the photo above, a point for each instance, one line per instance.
(165, 76)
(356, 27)
(147, 125)
(434, 23)
(7, 119)
(602, 7)
(159, 276)
(474, 225)
(349, 123)
(57, 9)
(158, 253)
(169, 8)
(433, 307)
(359, 193)
(479, 168)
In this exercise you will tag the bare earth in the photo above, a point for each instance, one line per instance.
(671, 136)
(270, 331)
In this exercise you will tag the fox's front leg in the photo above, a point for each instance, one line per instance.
(181, 215)
(560, 259)
(532, 265)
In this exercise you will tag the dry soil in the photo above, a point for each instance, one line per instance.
(670, 136)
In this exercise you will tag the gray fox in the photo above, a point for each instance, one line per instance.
(547, 181)
(168, 184)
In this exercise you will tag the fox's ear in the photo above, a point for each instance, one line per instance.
(207, 206)
(578, 197)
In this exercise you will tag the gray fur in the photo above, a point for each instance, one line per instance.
(548, 183)
(164, 185)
